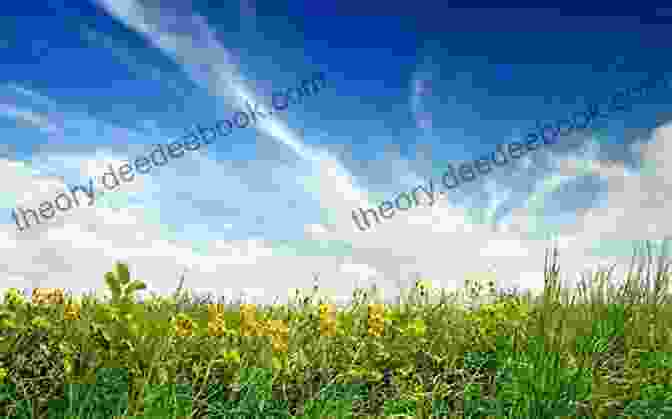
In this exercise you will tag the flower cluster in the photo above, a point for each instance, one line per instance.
(48, 296)
(216, 323)
(279, 333)
(184, 325)
(248, 320)
(376, 321)
(327, 319)
(72, 311)
(276, 329)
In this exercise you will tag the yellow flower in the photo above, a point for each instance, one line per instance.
(326, 308)
(248, 309)
(184, 326)
(72, 311)
(215, 312)
(3, 375)
(215, 329)
(376, 321)
(279, 346)
(327, 319)
(216, 322)
(248, 321)
(279, 333)
(47, 296)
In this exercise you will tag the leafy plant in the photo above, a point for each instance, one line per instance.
(515, 356)
(400, 407)
(539, 383)
(334, 400)
(255, 398)
(106, 397)
(120, 284)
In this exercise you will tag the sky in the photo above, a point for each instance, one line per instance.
(264, 210)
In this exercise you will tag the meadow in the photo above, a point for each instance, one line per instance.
(597, 351)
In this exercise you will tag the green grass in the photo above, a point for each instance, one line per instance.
(595, 352)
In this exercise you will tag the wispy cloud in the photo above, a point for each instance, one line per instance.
(489, 224)
(35, 119)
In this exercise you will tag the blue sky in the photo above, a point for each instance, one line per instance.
(264, 209)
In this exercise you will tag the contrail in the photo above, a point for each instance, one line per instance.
(187, 39)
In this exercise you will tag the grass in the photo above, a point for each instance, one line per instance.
(597, 351)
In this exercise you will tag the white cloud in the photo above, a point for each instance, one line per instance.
(440, 242)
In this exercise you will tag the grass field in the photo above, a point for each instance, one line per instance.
(598, 351)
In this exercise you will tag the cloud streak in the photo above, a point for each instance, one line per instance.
(251, 217)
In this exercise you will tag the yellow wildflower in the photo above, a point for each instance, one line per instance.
(184, 326)
(248, 322)
(215, 312)
(327, 319)
(376, 321)
(216, 328)
(280, 346)
(47, 296)
(216, 323)
(72, 311)
(279, 333)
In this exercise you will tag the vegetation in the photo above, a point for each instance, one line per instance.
(595, 352)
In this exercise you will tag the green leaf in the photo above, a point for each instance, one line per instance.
(135, 286)
(122, 273)
(113, 285)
